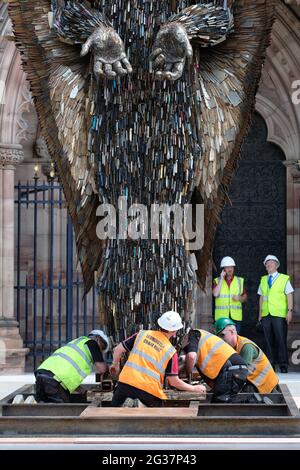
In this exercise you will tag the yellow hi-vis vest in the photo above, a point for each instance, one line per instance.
(147, 363)
(225, 306)
(262, 374)
(71, 363)
(274, 299)
(212, 354)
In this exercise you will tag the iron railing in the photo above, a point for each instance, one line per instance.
(49, 299)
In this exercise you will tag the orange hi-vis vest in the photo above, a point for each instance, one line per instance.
(262, 374)
(147, 363)
(212, 354)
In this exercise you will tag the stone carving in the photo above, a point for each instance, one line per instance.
(41, 149)
(26, 130)
(11, 154)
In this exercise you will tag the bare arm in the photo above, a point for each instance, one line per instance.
(240, 298)
(118, 352)
(290, 308)
(190, 362)
(101, 367)
(217, 288)
(176, 382)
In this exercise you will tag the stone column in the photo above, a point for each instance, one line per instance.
(12, 353)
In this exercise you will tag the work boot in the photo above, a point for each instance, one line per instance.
(267, 401)
(131, 403)
(18, 400)
(128, 403)
(258, 398)
(262, 400)
(140, 404)
(30, 400)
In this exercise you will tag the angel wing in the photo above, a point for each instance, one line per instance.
(228, 79)
(59, 86)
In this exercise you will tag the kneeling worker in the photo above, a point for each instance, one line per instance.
(63, 372)
(218, 363)
(262, 377)
(152, 356)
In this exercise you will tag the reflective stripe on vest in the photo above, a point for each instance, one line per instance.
(147, 362)
(274, 298)
(158, 365)
(71, 363)
(257, 380)
(212, 354)
(225, 306)
(145, 371)
(261, 374)
(82, 354)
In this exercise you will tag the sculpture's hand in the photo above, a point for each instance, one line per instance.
(171, 49)
(109, 53)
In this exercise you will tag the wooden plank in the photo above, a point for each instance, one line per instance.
(92, 412)
(194, 404)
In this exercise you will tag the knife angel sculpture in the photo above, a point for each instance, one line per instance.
(143, 104)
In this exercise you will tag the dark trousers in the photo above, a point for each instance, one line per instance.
(229, 383)
(250, 388)
(275, 332)
(48, 390)
(124, 391)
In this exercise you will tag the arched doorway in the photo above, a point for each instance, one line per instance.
(254, 225)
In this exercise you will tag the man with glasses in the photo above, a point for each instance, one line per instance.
(262, 377)
(276, 312)
(218, 363)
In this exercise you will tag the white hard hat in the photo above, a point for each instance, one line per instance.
(170, 321)
(227, 261)
(102, 336)
(272, 258)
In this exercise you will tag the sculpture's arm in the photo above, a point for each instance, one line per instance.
(74, 23)
(208, 24)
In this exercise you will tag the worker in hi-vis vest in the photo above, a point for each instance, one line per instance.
(229, 293)
(221, 367)
(275, 312)
(262, 377)
(62, 373)
(151, 358)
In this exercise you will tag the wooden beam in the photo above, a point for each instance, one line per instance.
(92, 412)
